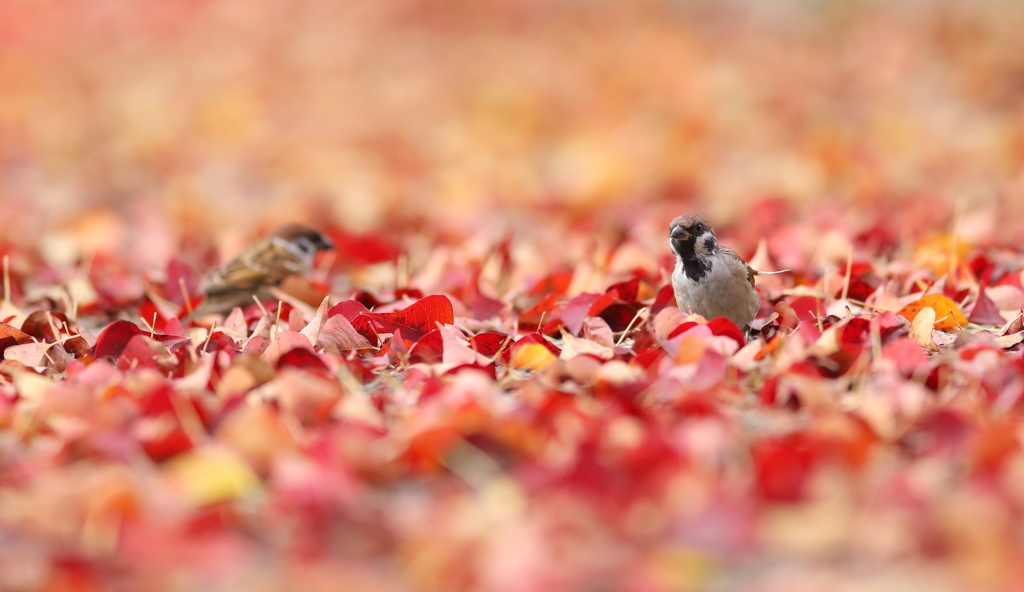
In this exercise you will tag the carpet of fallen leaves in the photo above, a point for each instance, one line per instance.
(488, 386)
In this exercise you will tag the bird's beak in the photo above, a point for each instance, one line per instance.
(679, 233)
(325, 243)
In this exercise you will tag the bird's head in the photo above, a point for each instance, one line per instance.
(691, 235)
(307, 240)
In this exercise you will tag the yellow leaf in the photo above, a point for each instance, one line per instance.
(208, 477)
(948, 315)
(532, 356)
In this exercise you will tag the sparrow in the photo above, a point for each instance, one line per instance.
(262, 265)
(709, 279)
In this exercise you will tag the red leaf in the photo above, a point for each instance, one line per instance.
(855, 332)
(369, 301)
(649, 358)
(350, 309)
(858, 289)
(782, 467)
(6, 342)
(489, 344)
(982, 268)
(143, 352)
(218, 341)
(283, 343)
(428, 350)
(77, 347)
(483, 307)
(416, 320)
(553, 285)
(161, 399)
(151, 314)
(397, 347)
(191, 307)
(176, 272)
(682, 328)
(410, 293)
(174, 440)
(807, 308)
(726, 328)
(620, 314)
(603, 301)
(490, 370)
(576, 310)
(362, 249)
(300, 357)
(769, 392)
(908, 356)
(666, 297)
(357, 315)
(38, 325)
(114, 338)
(531, 318)
(984, 311)
(627, 290)
(644, 342)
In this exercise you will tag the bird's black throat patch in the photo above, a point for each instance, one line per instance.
(695, 267)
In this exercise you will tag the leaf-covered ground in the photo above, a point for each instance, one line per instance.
(488, 386)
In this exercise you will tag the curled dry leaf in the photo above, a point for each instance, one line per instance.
(338, 333)
(31, 354)
(285, 342)
(19, 336)
(922, 326)
(575, 346)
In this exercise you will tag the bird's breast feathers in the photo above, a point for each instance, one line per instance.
(722, 290)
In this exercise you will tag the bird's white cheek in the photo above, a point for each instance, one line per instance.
(705, 244)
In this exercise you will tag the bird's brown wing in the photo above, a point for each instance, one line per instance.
(262, 264)
(750, 270)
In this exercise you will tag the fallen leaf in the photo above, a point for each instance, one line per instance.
(283, 343)
(531, 356)
(947, 314)
(210, 476)
(922, 326)
(17, 335)
(416, 320)
(114, 338)
(338, 333)
(312, 330)
(984, 311)
(573, 347)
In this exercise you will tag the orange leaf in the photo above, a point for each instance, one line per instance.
(16, 334)
(947, 314)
